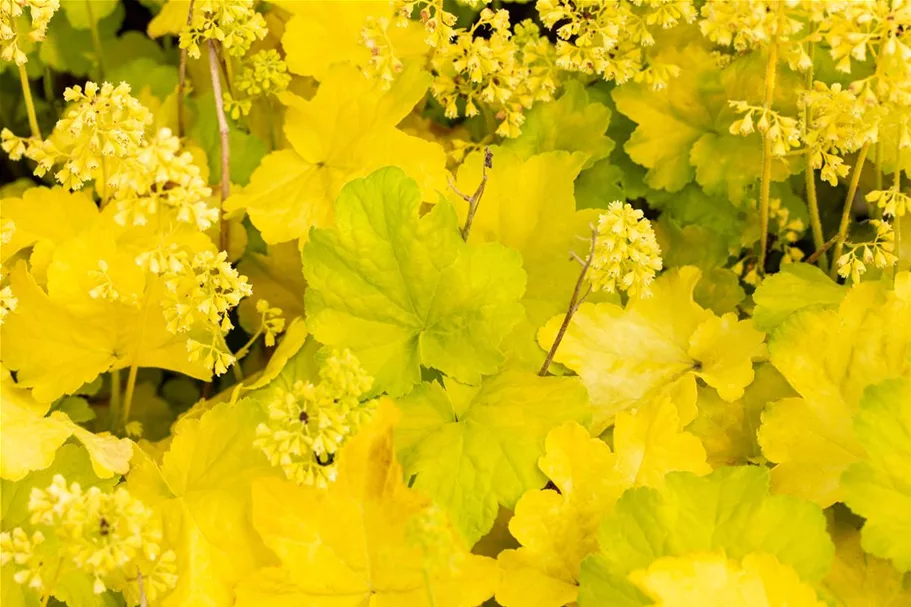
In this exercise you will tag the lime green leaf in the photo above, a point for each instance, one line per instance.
(730, 511)
(84, 14)
(795, 287)
(830, 357)
(202, 492)
(403, 291)
(366, 540)
(693, 245)
(878, 487)
(76, 408)
(472, 448)
(143, 72)
(682, 131)
(572, 123)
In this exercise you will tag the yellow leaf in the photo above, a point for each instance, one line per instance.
(627, 356)
(29, 440)
(830, 357)
(202, 492)
(346, 131)
(355, 544)
(44, 218)
(321, 34)
(277, 277)
(558, 530)
(528, 205)
(171, 19)
(711, 580)
(650, 442)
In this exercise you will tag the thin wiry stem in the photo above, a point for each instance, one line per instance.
(182, 77)
(810, 174)
(842, 235)
(29, 103)
(96, 40)
(225, 145)
(575, 301)
(766, 183)
(475, 198)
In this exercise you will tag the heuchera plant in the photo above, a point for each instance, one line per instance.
(448, 303)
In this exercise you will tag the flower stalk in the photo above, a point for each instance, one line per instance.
(225, 145)
(842, 235)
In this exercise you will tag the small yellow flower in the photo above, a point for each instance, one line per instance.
(234, 23)
(40, 12)
(273, 321)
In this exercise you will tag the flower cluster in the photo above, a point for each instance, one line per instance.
(893, 202)
(789, 231)
(749, 25)
(838, 123)
(111, 537)
(493, 71)
(384, 65)
(265, 74)
(272, 321)
(104, 127)
(626, 255)
(608, 37)
(234, 23)
(308, 424)
(200, 293)
(162, 178)
(40, 12)
(432, 532)
(879, 252)
(783, 132)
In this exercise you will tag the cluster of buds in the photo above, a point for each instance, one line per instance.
(609, 38)
(308, 424)
(878, 252)
(272, 321)
(111, 537)
(199, 295)
(264, 75)
(40, 12)
(233, 23)
(103, 127)
(783, 132)
(625, 255)
(384, 65)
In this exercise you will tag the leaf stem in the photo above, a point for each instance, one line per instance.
(846, 211)
(766, 183)
(115, 402)
(225, 145)
(245, 349)
(96, 40)
(29, 103)
(475, 199)
(134, 363)
(575, 301)
(181, 79)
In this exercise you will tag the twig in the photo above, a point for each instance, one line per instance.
(225, 145)
(575, 301)
(475, 198)
(182, 76)
(822, 250)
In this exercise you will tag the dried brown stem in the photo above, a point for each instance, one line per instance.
(575, 301)
(474, 200)
(225, 145)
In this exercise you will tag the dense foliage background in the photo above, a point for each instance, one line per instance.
(450, 303)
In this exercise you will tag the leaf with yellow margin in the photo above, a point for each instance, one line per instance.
(356, 543)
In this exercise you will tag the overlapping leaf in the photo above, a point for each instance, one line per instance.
(358, 542)
(402, 291)
(346, 131)
(474, 448)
